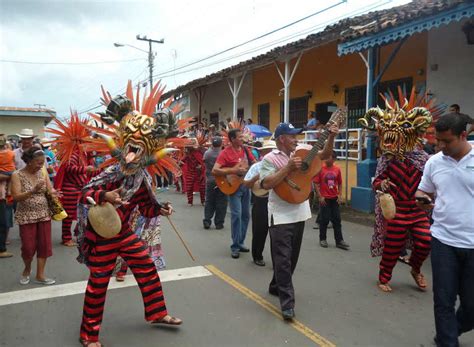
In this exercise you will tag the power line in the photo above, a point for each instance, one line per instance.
(255, 49)
(269, 44)
(64, 63)
(258, 37)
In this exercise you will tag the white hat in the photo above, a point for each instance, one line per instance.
(268, 144)
(45, 142)
(26, 134)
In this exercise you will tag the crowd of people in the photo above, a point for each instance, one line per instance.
(254, 170)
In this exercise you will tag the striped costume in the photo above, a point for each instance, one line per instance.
(101, 254)
(411, 224)
(72, 177)
(195, 175)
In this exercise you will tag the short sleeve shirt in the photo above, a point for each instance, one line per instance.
(280, 211)
(453, 184)
(229, 157)
(329, 180)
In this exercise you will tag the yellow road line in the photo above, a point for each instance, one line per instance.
(310, 334)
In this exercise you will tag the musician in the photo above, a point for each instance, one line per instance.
(236, 159)
(286, 221)
(259, 207)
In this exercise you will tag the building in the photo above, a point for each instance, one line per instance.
(13, 119)
(422, 44)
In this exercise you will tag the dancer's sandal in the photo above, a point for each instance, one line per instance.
(419, 280)
(384, 287)
(88, 343)
(168, 320)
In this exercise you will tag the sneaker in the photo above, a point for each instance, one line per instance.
(288, 314)
(24, 280)
(235, 254)
(343, 245)
(219, 227)
(323, 243)
(244, 249)
(316, 227)
(206, 225)
(259, 262)
(45, 281)
(6, 254)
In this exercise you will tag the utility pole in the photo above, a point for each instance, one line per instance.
(151, 57)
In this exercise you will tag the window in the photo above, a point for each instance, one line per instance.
(324, 111)
(298, 111)
(240, 114)
(355, 102)
(214, 119)
(264, 115)
(356, 97)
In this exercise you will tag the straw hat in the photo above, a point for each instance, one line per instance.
(268, 144)
(26, 134)
(45, 142)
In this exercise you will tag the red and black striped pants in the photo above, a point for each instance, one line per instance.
(101, 265)
(409, 219)
(192, 176)
(70, 199)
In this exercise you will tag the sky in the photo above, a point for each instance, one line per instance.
(58, 53)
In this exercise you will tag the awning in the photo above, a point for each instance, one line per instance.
(394, 34)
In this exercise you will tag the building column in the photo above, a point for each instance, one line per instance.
(289, 74)
(362, 196)
(235, 89)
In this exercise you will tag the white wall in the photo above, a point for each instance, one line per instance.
(13, 125)
(218, 98)
(453, 82)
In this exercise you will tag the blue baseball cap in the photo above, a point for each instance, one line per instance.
(286, 129)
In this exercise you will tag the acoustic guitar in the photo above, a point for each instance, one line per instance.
(296, 187)
(229, 184)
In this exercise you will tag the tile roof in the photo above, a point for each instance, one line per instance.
(344, 30)
(26, 112)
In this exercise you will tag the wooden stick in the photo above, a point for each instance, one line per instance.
(181, 238)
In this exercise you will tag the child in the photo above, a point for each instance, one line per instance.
(7, 166)
(328, 184)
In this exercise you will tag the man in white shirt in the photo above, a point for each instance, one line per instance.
(26, 136)
(286, 220)
(449, 176)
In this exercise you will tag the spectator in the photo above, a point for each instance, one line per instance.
(216, 201)
(7, 166)
(286, 221)
(448, 175)
(29, 188)
(329, 190)
(312, 125)
(249, 121)
(26, 137)
(236, 159)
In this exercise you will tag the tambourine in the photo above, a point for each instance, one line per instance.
(104, 219)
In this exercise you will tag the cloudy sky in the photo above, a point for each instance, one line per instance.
(58, 53)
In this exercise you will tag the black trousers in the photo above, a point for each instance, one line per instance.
(330, 213)
(3, 225)
(215, 205)
(285, 247)
(259, 225)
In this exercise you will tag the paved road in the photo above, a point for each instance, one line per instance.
(226, 304)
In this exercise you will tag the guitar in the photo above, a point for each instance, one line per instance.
(229, 184)
(296, 187)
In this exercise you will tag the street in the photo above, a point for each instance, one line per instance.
(224, 301)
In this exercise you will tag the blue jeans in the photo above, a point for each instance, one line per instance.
(240, 216)
(453, 275)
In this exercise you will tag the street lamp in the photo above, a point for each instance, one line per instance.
(151, 55)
